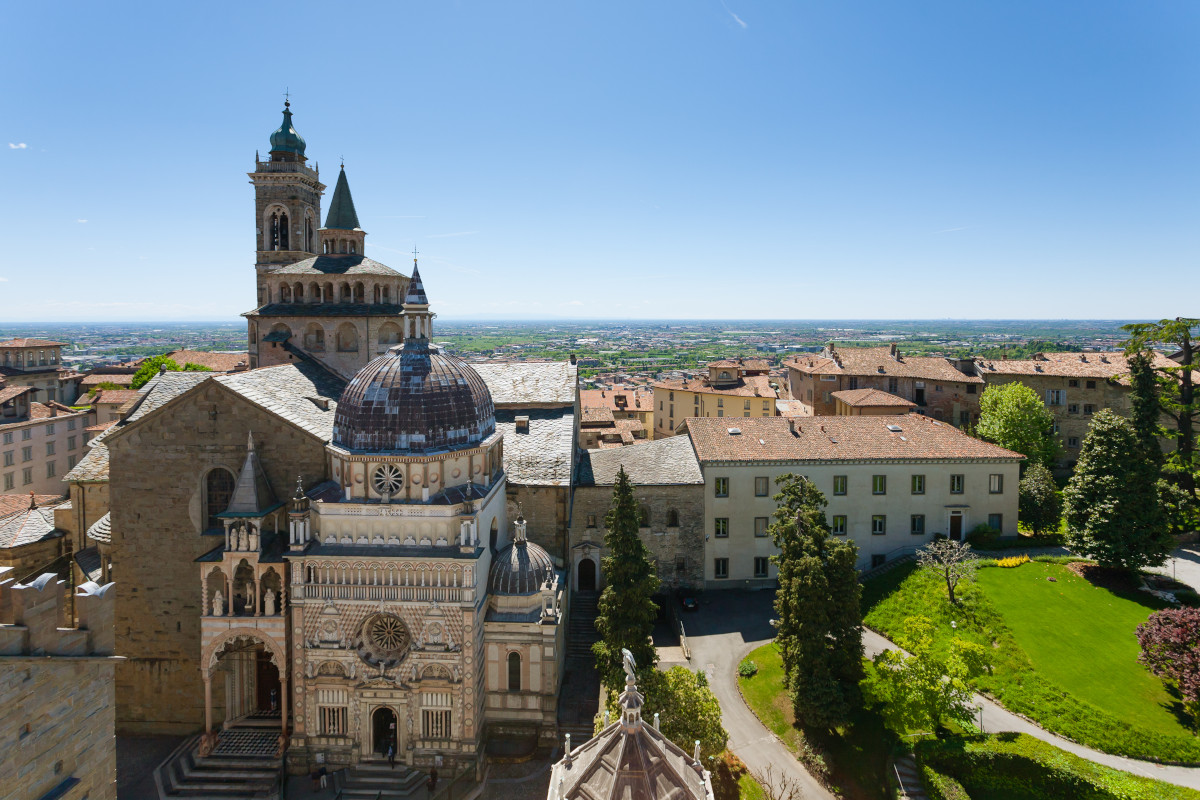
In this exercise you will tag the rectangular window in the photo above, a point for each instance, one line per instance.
(591, 520)
(917, 526)
(1073, 442)
(1056, 397)
(1089, 409)
(672, 396)
(852, 383)
(49, 448)
(829, 377)
(671, 411)
(333, 720)
(760, 526)
(839, 484)
(71, 461)
(8, 458)
(878, 525)
(766, 406)
(893, 385)
(1091, 384)
(720, 412)
(957, 484)
(27, 476)
(70, 424)
(878, 484)
(435, 724)
(8, 481)
(721, 567)
(760, 566)
(721, 487)
(1073, 384)
(762, 487)
(995, 484)
(918, 484)
(721, 527)
(50, 429)
(996, 522)
(964, 418)
(720, 402)
(70, 442)
(51, 470)
(1073, 408)
(839, 525)
(8, 438)
(747, 405)
(27, 453)
(660, 405)
(26, 435)
(970, 388)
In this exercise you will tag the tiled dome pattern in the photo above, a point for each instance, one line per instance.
(521, 568)
(414, 399)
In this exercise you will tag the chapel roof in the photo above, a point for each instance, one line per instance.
(341, 208)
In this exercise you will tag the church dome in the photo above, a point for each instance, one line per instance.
(416, 399)
(521, 568)
(285, 139)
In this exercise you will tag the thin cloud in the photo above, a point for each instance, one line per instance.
(450, 235)
(573, 303)
(736, 18)
(952, 230)
(17, 146)
(81, 220)
(3, 280)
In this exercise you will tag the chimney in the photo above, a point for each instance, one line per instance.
(892, 350)
(572, 358)
(32, 501)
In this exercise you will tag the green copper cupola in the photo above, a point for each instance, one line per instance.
(286, 144)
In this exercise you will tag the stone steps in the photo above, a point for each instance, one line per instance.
(188, 775)
(911, 785)
(371, 780)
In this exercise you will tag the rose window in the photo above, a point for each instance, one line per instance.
(383, 639)
(388, 479)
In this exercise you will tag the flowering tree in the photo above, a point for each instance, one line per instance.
(1170, 642)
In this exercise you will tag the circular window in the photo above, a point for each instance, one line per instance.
(383, 639)
(388, 479)
(388, 633)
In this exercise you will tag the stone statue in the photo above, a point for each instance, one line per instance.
(308, 668)
(629, 664)
(269, 603)
(218, 604)
(353, 670)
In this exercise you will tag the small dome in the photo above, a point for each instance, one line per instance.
(521, 568)
(285, 139)
(101, 530)
(414, 398)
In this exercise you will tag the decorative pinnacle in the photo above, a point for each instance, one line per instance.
(299, 487)
(250, 441)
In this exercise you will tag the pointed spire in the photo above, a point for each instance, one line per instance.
(252, 493)
(416, 290)
(299, 488)
(342, 215)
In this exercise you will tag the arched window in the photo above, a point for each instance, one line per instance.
(347, 338)
(644, 516)
(514, 672)
(672, 518)
(325, 247)
(354, 247)
(283, 232)
(345, 294)
(360, 293)
(273, 232)
(389, 333)
(285, 293)
(494, 536)
(298, 293)
(218, 489)
(308, 234)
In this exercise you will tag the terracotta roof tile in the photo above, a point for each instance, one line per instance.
(864, 361)
(31, 343)
(871, 397)
(749, 386)
(834, 439)
(1103, 366)
(117, 396)
(12, 503)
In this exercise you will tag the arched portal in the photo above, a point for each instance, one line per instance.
(587, 575)
(383, 730)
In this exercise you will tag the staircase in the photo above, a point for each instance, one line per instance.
(224, 774)
(371, 780)
(578, 700)
(911, 785)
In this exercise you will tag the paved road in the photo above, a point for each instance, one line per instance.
(1184, 566)
(996, 719)
(727, 626)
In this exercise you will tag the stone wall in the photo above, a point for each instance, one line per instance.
(545, 510)
(158, 468)
(668, 544)
(28, 559)
(57, 686)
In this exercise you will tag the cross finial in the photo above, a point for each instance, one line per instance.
(286, 97)
(343, 160)
(414, 255)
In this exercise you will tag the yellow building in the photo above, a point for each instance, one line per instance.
(732, 388)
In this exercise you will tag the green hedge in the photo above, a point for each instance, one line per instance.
(1018, 765)
(939, 786)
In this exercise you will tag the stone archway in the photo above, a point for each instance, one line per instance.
(384, 730)
(587, 575)
(245, 641)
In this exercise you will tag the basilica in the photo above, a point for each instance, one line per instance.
(343, 553)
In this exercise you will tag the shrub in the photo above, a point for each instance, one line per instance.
(939, 786)
(1013, 561)
(983, 536)
(1170, 642)
(1015, 764)
(747, 669)
(1187, 598)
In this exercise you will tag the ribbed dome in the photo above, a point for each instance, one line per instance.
(285, 139)
(414, 398)
(521, 568)
(101, 530)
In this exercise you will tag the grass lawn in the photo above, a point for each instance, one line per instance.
(1064, 652)
(856, 759)
(749, 789)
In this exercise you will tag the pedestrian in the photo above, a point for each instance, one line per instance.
(324, 777)
(431, 784)
(391, 755)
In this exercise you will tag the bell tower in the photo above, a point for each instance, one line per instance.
(287, 204)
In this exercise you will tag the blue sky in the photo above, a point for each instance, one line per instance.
(687, 159)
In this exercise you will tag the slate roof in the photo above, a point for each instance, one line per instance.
(341, 208)
(27, 527)
(542, 455)
(327, 310)
(529, 383)
(865, 398)
(252, 492)
(88, 560)
(661, 462)
(286, 390)
(1102, 366)
(338, 264)
(93, 466)
(835, 439)
(101, 530)
(864, 361)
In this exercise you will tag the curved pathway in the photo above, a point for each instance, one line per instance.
(996, 719)
(728, 626)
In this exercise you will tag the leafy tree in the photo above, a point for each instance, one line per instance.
(819, 628)
(951, 561)
(1112, 501)
(1144, 404)
(921, 689)
(1039, 502)
(626, 608)
(1013, 416)
(191, 366)
(1170, 642)
(103, 387)
(686, 706)
(152, 366)
(1176, 398)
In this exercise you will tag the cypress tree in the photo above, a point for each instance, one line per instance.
(1112, 502)
(626, 607)
(1145, 405)
(819, 626)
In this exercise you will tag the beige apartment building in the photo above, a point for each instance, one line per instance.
(1074, 387)
(892, 484)
(39, 442)
(37, 364)
(731, 388)
(935, 386)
